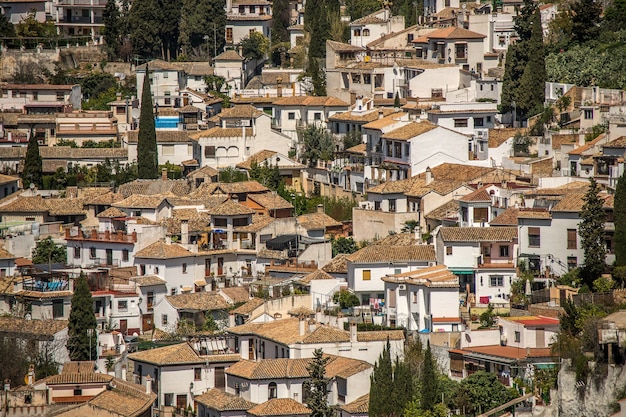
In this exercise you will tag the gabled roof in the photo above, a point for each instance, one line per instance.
(410, 130)
(478, 234)
(229, 55)
(208, 189)
(324, 101)
(168, 355)
(230, 208)
(370, 18)
(452, 32)
(343, 47)
(124, 399)
(248, 307)
(316, 221)
(315, 275)
(398, 239)
(480, 195)
(338, 265)
(219, 400)
(270, 201)
(164, 136)
(434, 276)
(358, 406)
(162, 250)
(389, 253)
(16, 325)
(198, 301)
(280, 407)
(141, 201)
(112, 212)
(240, 111)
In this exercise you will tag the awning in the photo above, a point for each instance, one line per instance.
(545, 365)
(462, 271)
(200, 283)
(281, 242)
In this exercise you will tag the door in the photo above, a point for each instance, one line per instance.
(220, 378)
(207, 267)
(541, 338)
(147, 322)
(220, 266)
(181, 401)
(123, 326)
(109, 256)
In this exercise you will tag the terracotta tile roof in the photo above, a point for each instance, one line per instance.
(394, 187)
(197, 221)
(389, 120)
(270, 201)
(112, 212)
(509, 352)
(315, 275)
(507, 218)
(259, 222)
(389, 253)
(399, 239)
(337, 366)
(410, 131)
(369, 19)
(219, 132)
(164, 136)
(338, 265)
(287, 331)
(219, 400)
(480, 195)
(616, 143)
(361, 149)
(478, 234)
(531, 321)
(208, 189)
(5, 254)
(123, 401)
(344, 47)
(358, 406)
(534, 214)
(452, 32)
(147, 280)
(37, 204)
(574, 186)
(157, 186)
(230, 208)
(316, 221)
(40, 328)
(361, 116)
(324, 101)
(258, 157)
(445, 211)
(66, 378)
(161, 250)
(179, 354)
(141, 201)
(573, 202)
(44, 294)
(101, 199)
(236, 294)
(205, 170)
(280, 407)
(229, 55)
(459, 172)
(380, 335)
(240, 111)
(559, 139)
(437, 276)
(301, 311)
(248, 307)
(77, 367)
(198, 301)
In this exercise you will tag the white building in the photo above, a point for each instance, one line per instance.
(374, 26)
(246, 16)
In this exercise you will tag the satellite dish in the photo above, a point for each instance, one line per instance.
(135, 113)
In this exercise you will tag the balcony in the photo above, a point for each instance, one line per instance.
(81, 3)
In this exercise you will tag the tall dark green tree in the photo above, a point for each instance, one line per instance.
(143, 21)
(316, 387)
(591, 231)
(381, 386)
(531, 91)
(82, 344)
(280, 21)
(619, 215)
(585, 20)
(428, 381)
(147, 157)
(112, 28)
(199, 19)
(402, 386)
(33, 167)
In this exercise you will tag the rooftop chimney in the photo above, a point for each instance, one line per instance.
(164, 174)
(184, 232)
(429, 176)
(320, 208)
(381, 114)
(148, 384)
(231, 320)
(353, 335)
(312, 325)
(302, 327)
(279, 86)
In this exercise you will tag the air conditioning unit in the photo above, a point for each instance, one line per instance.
(402, 287)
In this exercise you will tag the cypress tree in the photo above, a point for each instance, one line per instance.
(591, 231)
(402, 386)
(147, 158)
(531, 90)
(33, 168)
(82, 321)
(112, 28)
(316, 387)
(429, 382)
(381, 386)
(619, 213)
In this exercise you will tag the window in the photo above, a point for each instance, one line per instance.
(588, 114)
(78, 391)
(496, 281)
(367, 78)
(572, 262)
(291, 115)
(460, 50)
(317, 116)
(460, 122)
(76, 252)
(448, 250)
(197, 374)
(252, 9)
(504, 251)
(229, 35)
(14, 94)
(122, 305)
(366, 32)
(272, 391)
(35, 96)
(209, 151)
(571, 239)
(167, 100)
(377, 205)
(367, 275)
(173, 291)
(392, 205)
(164, 319)
(479, 122)
(156, 269)
(357, 32)
(242, 9)
(125, 255)
(534, 237)
(167, 149)
(92, 252)
(184, 267)
(518, 336)
(60, 96)
(481, 214)
(57, 309)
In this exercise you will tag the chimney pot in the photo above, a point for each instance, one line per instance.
(164, 174)
(353, 333)
(302, 327)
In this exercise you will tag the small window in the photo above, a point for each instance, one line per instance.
(166, 75)
(460, 122)
(78, 391)
(588, 114)
(76, 252)
(92, 252)
(479, 122)
(197, 374)
(534, 237)
(504, 251)
(357, 32)
(60, 96)
(448, 250)
(496, 281)
(35, 96)
(122, 305)
(167, 149)
(392, 205)
(317, 116)
(184, 267)
(366, 32)
(367, 274)
(572, 262)
(163, 319)
(125, 255)
(173, 291)
(291, 115)
(518, 337)
(242, 9)
(571, 239)
(272, 390)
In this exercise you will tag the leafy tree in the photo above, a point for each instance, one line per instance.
(487, 317)
(30, 27)
(619, 213)
(266, 174)
(482, 391)
(230, 174)
(345, 245)
(82, 344)
(413, 410)
(318, 145)
(46, 251)
(112, 28)
(318, 77)
(615, 16)
(316, 387)
(521, 144)
(199, 19)
(410, 9)
(143, 21)
(97, 83)
(591, 232)
(6, 27)
(428, 381)
(280, 21)
(147, 157)
(352, 138)
(603, 284)
(585, 20)
(33, 167)
(346, 299)
(169, 20)
(356, 9)
(381, 385)
(402, 386)
(254, 46)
